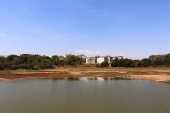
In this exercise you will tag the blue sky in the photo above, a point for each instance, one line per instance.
(132, 28)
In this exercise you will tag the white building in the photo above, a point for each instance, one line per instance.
(100, 60)
(117, 57)
(90, 60)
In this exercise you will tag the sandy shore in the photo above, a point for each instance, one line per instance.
(155, 74)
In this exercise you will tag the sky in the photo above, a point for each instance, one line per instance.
(131, 28)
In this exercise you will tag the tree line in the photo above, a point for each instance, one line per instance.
(30, 61)
(152, 61)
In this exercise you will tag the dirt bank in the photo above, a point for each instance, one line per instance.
(156, 74)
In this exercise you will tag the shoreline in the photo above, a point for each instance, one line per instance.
(92, 73)
(131, 77)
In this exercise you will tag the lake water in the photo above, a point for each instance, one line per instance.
(93, 96)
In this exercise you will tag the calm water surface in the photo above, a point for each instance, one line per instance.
(62, 96)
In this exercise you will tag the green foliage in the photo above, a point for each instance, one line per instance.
(29, 61)
(154, 60)
(158, 60)
(145, 62)
(104, 64)
(61, 60)
(72, 60)
(25, 61)
(2, 62)
(168, 60)
(55, 59)
(123, 63)
(168, 56)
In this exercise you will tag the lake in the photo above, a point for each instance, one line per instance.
(84, 96)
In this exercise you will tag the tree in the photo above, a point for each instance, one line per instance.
(72, 60)
(55, 59)
(123, 63)
(167, 61)
(46, 62)
(61, 60)
(158, 60)
(104, 64)
(145, 62)
(2, 63)
(12, 61)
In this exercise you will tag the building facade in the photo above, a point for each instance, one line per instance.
(101, 59)
(90, 60)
